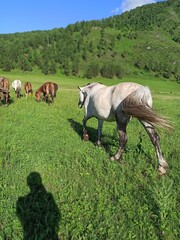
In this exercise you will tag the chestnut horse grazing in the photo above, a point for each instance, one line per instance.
(48, 88)
(4, 90)
(119, 103)
(28, 89)
(16, 85)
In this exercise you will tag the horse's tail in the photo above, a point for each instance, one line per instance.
(139, 104)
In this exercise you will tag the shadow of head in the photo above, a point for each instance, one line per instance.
(34, 180)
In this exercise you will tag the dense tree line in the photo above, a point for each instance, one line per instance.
(93, 48)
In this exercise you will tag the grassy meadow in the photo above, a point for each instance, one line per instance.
(55, 186)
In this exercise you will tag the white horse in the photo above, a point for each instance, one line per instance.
(16, 85)
(119, 103)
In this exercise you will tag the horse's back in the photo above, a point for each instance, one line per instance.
(50, 87)
(122, 90)
(28, 87)
(125, 88)
(6, 83)
(16, 84)
(113, 94)
(104, 101)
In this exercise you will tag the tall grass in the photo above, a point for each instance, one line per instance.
(83, 195)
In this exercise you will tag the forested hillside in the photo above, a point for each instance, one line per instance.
(146, 39)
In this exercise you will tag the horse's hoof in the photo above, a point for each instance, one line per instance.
(164, 165)
(112, 158)
(161, 171)
(86, 137)
(98, 144)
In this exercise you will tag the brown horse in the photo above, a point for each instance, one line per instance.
(28, 89)
(48, 88)
(4, 90)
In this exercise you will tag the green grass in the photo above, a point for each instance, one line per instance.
(83, 194)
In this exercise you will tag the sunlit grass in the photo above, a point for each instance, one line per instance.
(96, 198)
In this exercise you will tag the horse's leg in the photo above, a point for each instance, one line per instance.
(47, 97)
(53, 94)
(121, 126)
(85, 133)
(100, 125)
(6, 98)
(155, 139)
(52, 97)
(17, 93)
(47, 93)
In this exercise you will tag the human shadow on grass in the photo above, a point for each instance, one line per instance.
(37, 211)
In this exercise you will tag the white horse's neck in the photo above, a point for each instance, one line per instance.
(89, 87)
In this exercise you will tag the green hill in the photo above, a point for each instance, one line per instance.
(143, 40)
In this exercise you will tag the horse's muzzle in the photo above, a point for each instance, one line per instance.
(80, 105)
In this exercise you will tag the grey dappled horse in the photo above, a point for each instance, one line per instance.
(119, 103)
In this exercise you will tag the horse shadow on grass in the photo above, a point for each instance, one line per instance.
(3, 103)
(78, 128)
(110, 143)
(37, 211)
(106, 145)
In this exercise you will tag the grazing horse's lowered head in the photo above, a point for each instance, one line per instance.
(119, 103)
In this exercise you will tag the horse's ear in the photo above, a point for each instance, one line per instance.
(79, 88)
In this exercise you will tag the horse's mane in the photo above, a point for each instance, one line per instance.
(40, 88)
(91, 85)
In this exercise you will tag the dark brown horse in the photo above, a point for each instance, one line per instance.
(48, 88)
(4, 90)
(28, 89)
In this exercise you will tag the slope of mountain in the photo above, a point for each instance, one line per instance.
(145, 39)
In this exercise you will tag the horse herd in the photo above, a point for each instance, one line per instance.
(47, 90)
(117, 103)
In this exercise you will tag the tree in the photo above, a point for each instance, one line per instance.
(92, 70)
(75, 67)
(66, 68)
(52, 67)
(7, 66)
(119, 36)
(45, 67)
(84, 55)
(24, 63)
(108, 70)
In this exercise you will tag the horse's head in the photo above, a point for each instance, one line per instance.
(82, 97)
(38, 96)
(84, 91)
